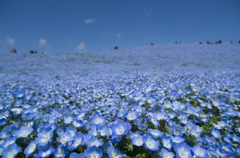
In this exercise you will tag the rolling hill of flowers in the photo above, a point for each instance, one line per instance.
(141, 102)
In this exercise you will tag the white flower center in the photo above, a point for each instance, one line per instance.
(150, 143)
(32, 148)
(98, 121)
(45, 137)
(182, 152)
(115, 153)
(95, 143)
(12, 153)
(139, 142)
(131, 116)
(120, 130)
(166, 156)
(94, 154)
(23, 134)
(63, 139)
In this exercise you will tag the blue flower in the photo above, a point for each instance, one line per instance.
(235, 138)
(11, 151)
(160, 116)
(132, 115)
(137, 140)
(200, 152)
(116, 139)
(196, 131)
(208, 140)
(23, 132)
(151, 143)
(94, 142)
(167, 142)
(155, 133)
(64, 138)
(60, 152)
(182, 150)
(177, 139)
(93, 152)
(77, 123)
(3, 121)
(77, 140)
(121, 128)
(216, 133)
(30, 148)
(99, 121)
(46, 152)
(8, 142)
(68, 119)
(75, 155)
(103, 130)
(141, 126)
(114, 152)
(227, 148)
(165, 154)
(44, 137)
(154, 121)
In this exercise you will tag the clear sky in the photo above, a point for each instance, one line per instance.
(67, 26)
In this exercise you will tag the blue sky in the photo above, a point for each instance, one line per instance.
(89, 25)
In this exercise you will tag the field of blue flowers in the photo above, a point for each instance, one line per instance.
(126, 115)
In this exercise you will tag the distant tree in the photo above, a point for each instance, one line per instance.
(175, 42)
(231, 42)
(116, 47)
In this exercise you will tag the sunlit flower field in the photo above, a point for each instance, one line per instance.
(141, 102)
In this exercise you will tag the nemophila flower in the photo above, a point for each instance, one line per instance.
(60, 129)
(60, 152)
(237, 151)
(94, 142)
(86, 137)
(44, 137)
(23, 132)
(182, 150)
(165, 154)
(11, 151)
(160, 116)
(227, 148)
(216, 133)
(114, 152)
(75, 155)
(177, 139)
(121, 128)
(99, 120)
(151, 143)
(154, 121)
(227, 139)
(46, 152)
(68, 119)
(167, 142)
(220, 152)
(135, 134)
(105, 146)
(155, 133)
(77, 140)
(93, 152)
(7, 142)
(3, 121)
(64, 137)
(30, 148)
(235, 138)
(200, 152)
(132, 115)
(196, 131)
(141, 126)
(72, 131)
(103, 130)
(137, 140)
(77, 123)
(184, 120)
(17, 111)
(208, 140)
(116, 139)
(93, 131)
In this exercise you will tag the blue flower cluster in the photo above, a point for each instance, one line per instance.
(178, 115)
